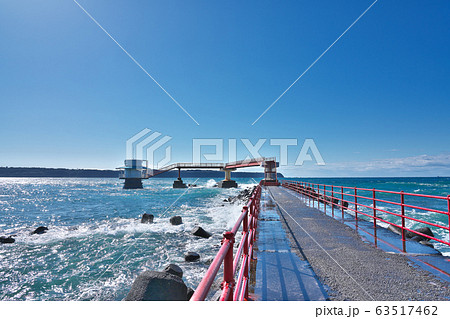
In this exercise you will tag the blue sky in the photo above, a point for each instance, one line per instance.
(376, 104)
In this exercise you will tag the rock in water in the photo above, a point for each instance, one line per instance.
(6, 240)
(147, 219)
(190, 292)
(40, 230)
(174, 270)
(395, 229)
(191, 256)
(398, 230)
(200, 232)
(426, 243)
(157, 286)
(176, 220)
(426, 231)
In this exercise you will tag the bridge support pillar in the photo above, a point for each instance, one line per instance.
(270, 173)
(227, 182)
(132, 183)
(178, 183)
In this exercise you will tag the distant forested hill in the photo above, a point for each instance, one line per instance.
(65, 172)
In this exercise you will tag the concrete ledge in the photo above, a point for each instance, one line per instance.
(179, 184)
(227, 184)
(132, 183)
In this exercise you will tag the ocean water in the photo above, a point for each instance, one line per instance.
(96, 245)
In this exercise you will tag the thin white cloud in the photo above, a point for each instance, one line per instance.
(420, 165)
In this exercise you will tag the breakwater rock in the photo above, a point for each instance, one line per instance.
(200, 232)
(39, 231)
(7, 240)
(147, 219)
(176, 220)
(413, 236)
(243, 196)
(191, 256)
(166, 285)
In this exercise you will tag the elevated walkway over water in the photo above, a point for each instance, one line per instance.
(135, 171)
(304, 254)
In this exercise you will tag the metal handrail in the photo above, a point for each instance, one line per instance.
(231, 289)
(326, 194)
(251, 160)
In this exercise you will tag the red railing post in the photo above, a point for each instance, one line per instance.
(303, 191)
(448, 205)
(403, 221)
(255, 221)
(245, 229)
(324, 200)
(318, 197)
(245, 250)
(374, 217)
(251, 208)
(309, 194)
(251, 229)
(332, 200)
(356, 205)
(228, 271)
(342, 202)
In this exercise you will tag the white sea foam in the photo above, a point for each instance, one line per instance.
(211, 183)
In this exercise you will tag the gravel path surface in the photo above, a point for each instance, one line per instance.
(352, 269)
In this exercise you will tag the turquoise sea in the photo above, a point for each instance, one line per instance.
(96, 245)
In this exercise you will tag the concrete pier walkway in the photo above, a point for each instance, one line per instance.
(349, 268)
(281, 273)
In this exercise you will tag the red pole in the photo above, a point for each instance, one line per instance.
(303, 190)
(316, 194)
(374, 217)
(356, 206)
(245, 248)
(342, 202)
(228, 275)
(448, 205)
(309, 194)
(253, 209)
(245, 229)
(324, 200)
(332, 200)
(305, 194)
(403, 221)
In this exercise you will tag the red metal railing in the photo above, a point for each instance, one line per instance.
(231, 289)
(363, 198)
